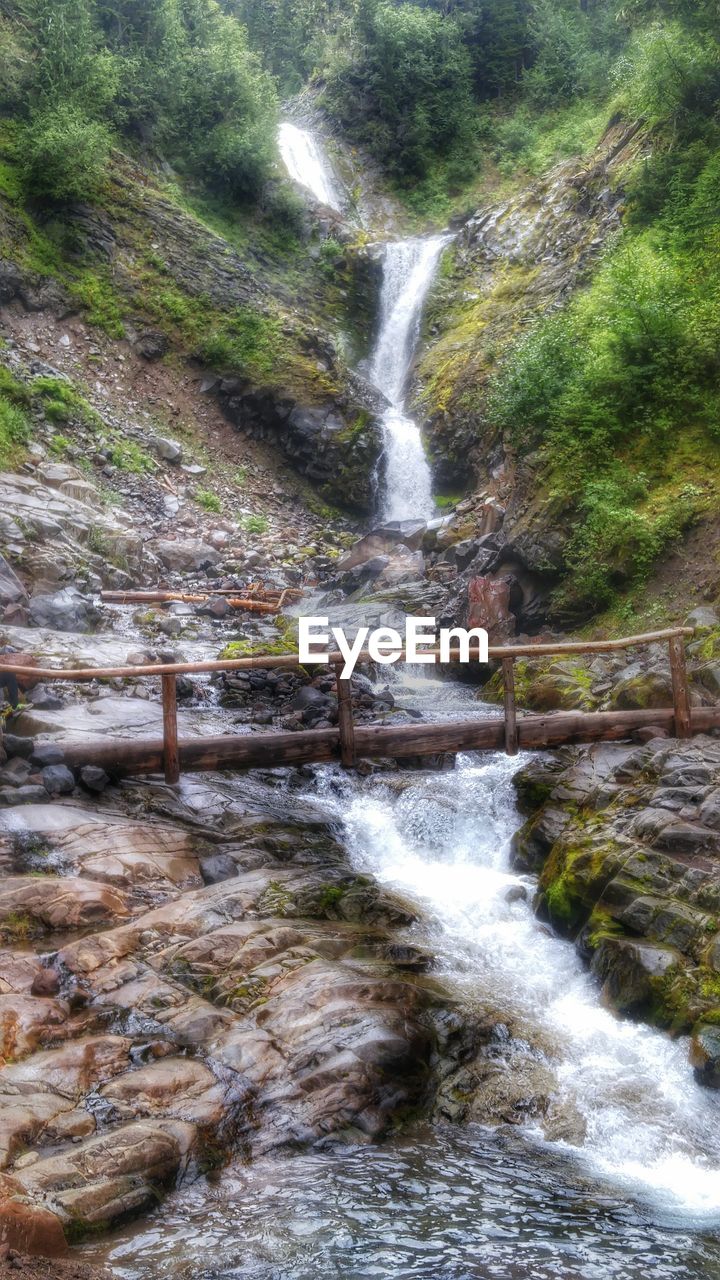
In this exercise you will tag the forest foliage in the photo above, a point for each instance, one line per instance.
(174, 76)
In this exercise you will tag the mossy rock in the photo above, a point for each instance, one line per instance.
(645, 691)
(547, 686)
(574, 877)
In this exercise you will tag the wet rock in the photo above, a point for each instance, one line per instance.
(29, 904)
(629, 972)
(28, 794)
(39, 1094)
(12, 590)
(182, 1088)
(93, 778)
(488, 607)
(111, 1175)
(58, 780)
(28, 1227)
(27, 1022)
(629, 869)
(705, 1054)
(382, 541)
(105, 847)
(218, 867)
(66, 610)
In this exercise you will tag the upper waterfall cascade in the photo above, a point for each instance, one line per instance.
(307, 165)
(408, 270)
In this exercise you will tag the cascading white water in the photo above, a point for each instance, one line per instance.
(639, 1119)
(408, 270)
(306, 164)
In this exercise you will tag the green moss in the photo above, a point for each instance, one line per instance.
(601, 925)
(330, 896)
(286, 642)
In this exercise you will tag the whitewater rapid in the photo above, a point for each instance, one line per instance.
(636, 1117)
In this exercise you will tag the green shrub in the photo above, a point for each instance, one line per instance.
(64, 154)
(128, 456)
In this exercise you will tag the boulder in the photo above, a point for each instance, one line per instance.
(628, 971)
(169, 450)
(58, 780)
(702, 617)
(382, 541)
(152, 344)
(646, 689)
(65, 610)
(186, 555)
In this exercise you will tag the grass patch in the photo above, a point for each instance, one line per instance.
(254, 524)
(208, 500)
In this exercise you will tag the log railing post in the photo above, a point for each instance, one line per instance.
(681, 693)
(346, 727)
(511, 731)
(171, 755)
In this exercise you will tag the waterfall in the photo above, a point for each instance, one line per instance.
(306, 164)
(408, 270)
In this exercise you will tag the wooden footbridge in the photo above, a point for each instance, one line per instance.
(348, 742)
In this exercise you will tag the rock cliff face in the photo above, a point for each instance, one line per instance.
(273, 333)
(513, 261)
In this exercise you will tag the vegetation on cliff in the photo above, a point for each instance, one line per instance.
(81, 74)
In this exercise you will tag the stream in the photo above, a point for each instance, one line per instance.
(628, 1183)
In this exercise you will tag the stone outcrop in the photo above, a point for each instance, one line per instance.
(275, 1006)
(626, 841)
(336, 444)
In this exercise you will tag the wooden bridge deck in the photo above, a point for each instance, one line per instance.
(349, 743)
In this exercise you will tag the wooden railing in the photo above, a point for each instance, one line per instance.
(349, 742)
